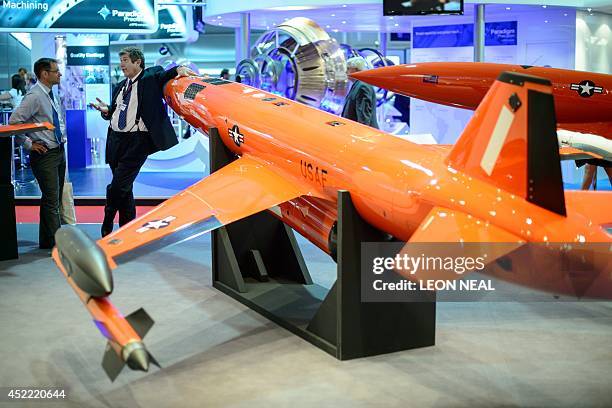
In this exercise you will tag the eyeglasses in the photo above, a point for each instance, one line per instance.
(52, 70)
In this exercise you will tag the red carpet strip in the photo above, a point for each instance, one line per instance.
(84, 214)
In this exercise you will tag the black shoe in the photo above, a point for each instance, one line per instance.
(108, 223)
(105, 230)
(126, 216)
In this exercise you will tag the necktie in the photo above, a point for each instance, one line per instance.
(56, 121)
(126, 101)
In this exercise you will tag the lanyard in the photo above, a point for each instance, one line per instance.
(127, 82)
(53, 103)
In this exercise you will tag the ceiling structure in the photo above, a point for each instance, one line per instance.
(359, 17)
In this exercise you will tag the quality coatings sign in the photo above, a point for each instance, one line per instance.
(93, 16)
(89, 55)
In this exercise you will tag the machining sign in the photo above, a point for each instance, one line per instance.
(586, 88)
(156, 224)
(82, 16)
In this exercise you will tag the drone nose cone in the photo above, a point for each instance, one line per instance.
(84, 261)
(138, 360)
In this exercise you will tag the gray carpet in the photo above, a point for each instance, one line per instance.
(217, 353)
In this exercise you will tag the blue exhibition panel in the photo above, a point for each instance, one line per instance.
(78, 144)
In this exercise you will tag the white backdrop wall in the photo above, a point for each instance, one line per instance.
(594, 54)
(594, 42)
(544, 37)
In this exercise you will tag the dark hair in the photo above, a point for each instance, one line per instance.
(18, 83)
(43, 64)
(22, 69)
(134, 53)
(224, 71)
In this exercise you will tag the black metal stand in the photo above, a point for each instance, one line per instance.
(258, 262)
(8, 226)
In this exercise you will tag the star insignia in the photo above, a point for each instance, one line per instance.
(235, 135)
(586, 88)
(156, 224)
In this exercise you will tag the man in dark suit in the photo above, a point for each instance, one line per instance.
(139, 126)
(360, 103)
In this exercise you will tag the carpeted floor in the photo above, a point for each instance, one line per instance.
(217, 353)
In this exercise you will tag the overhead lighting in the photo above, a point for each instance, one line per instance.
(24, 38)
(344, 5)
(291, 8)
(333, 15)
(343, 22)
(544, 6)
(589, 9)
(396, 24)
(507, 8)
(335, 30)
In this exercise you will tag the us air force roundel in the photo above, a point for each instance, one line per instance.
(236, 136)
(156, 224)
(586, 88)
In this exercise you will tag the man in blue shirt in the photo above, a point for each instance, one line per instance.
(46, 148)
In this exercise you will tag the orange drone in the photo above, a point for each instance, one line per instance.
(501, 182)
(11, 130)
(583, 100)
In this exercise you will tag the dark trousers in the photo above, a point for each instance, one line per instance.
(49, 169)
(125, 154)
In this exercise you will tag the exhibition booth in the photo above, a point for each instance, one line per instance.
(541, 35)
(395, 193)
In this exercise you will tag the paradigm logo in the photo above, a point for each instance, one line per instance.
(171, 28)
(132, 16)
(104, 12)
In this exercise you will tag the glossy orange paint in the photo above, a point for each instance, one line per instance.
(117, 330)
(393, 183)
(294, 159)
(10, 130)
(312, 217)
(578, 108)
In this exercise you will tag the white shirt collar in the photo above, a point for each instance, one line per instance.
(44, 87)
(135, 76)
